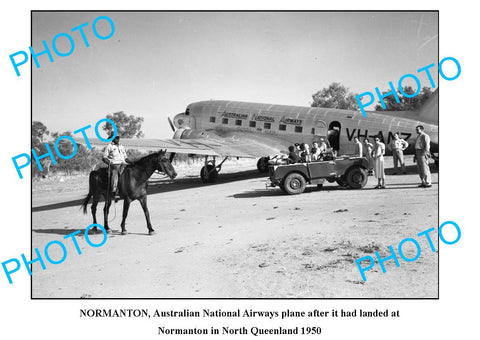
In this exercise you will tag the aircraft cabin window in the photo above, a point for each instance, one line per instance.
(282, 127)
(212, 119)
(298, 129)
(313, 131)
(238, 122)
(224, 120)
(252, 124)
(267, 125)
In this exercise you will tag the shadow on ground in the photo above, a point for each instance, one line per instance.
(156, 186)
(162, 185)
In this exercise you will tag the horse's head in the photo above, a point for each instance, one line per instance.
(164, 165)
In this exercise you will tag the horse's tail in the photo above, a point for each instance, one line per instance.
(85, 202)
(87, 199)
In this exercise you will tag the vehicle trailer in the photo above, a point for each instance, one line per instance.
(345, 170)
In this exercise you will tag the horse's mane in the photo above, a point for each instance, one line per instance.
(144, 158)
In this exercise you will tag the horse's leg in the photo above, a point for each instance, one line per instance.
(106, 208)
(96, 198)
(126, 205)
(143, 202)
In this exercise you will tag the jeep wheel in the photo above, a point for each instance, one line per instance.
(262, 165)
(357, 177)
(294, 184)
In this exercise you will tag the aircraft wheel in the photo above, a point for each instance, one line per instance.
(294, 184)
(357, 177)
(262, 164)
(211, 174)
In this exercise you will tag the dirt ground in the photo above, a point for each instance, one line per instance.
(238, 239)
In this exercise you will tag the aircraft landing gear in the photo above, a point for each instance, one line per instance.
(209, 172)
(262, 164)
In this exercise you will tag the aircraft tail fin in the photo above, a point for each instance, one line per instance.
(428, 113)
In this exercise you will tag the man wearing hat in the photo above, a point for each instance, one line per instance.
(115, 157)
(422, 153)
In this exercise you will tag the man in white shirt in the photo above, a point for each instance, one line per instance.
(115, 157)
(422, 153)
(358, 147)
(397, 146)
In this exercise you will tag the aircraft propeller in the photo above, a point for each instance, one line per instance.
(171, 124)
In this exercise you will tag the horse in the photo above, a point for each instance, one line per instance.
(132, 185)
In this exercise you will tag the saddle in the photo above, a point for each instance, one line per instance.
(120, 169)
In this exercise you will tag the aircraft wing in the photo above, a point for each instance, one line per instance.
(223, 147)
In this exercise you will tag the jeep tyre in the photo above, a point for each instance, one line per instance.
(357, 177)
(294, 184)
(262, 165)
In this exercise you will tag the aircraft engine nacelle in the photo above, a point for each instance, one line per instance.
(179, 133)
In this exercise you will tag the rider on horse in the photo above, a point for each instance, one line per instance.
(115, 157)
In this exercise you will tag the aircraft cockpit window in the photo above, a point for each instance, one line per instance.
(224, 120)
(252, 123)
(212, 119)
(298, 129)
(267, 126)
(238, 122)
(282, 127)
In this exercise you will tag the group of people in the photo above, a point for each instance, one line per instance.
(375, 152)
(115, 156)
(375, 155)
(304, 153)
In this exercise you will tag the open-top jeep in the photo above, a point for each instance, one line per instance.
(345, 170)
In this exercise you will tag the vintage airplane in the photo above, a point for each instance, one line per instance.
(219, 128)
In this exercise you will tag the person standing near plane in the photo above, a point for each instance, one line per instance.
(358, 147)
(115, 157)
(397, 146)
(368, 154)
(422, 153)
(377, 154)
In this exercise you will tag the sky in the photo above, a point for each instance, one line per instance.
(156, 63)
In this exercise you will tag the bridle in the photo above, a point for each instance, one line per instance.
(163, 171)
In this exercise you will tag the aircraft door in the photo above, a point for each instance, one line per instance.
(333, 136)
(320, 130)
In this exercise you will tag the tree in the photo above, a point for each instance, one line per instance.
(39, 132)
(127, 126)
(335, 96)
(83, 160)
(406, 104)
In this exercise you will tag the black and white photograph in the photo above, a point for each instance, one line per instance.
(238, 170)
(267, 171)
